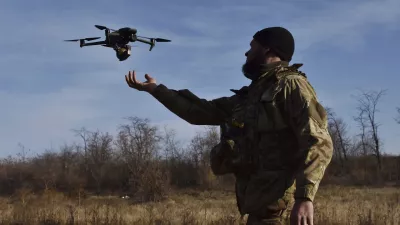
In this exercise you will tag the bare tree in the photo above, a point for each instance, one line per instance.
(199, 148)
(99, 151)
(171, 145)
(362, 124)
(201, 144)
(23, 155)
(367, 109)
(341, 142)
(46, 167)
(72, 176)
(138, 145)
(84, 134)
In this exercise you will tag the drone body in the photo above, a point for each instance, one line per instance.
(119, 40)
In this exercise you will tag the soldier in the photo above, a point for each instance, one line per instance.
(274, 135)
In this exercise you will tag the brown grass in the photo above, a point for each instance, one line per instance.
(333, 205)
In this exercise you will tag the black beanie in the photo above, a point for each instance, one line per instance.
(278, 39)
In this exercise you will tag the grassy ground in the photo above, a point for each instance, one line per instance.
(333, 205)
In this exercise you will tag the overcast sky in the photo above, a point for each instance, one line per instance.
(48, 87)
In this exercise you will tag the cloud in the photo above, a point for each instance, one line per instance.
(29, 118)
(344, 24)
(49, 86)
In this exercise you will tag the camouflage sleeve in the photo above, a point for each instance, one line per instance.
(193, 109)
(308, 120)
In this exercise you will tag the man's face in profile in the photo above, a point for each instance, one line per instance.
(255, 56)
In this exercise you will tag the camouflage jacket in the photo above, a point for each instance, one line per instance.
(282, 130)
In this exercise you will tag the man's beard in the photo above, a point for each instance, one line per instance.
(252, 68)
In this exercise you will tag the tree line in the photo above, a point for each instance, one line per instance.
(148, 162)
(360, 157)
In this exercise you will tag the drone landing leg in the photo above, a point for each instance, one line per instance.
(151, 43)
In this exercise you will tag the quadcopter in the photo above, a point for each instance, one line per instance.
(119, 40)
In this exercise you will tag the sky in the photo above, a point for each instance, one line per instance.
(49, 87)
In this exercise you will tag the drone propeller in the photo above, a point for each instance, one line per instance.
(161, 40)
(100, 27)
(85, 39)
(103, 27)
(156, 39)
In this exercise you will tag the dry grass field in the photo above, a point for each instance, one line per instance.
(334, 205)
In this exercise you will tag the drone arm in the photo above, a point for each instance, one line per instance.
(95, 43)
(144, 41)
(151, 43)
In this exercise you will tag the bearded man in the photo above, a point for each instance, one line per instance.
(274, 135)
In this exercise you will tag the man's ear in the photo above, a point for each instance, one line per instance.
(266, 51)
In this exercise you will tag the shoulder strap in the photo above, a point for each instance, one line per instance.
(291, 71)
(242, 91)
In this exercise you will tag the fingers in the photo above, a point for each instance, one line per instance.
(134, 77)
(303, 220)
(129, 80)
(310, 220)
(298, 220)
(147, 77)
(132, 82)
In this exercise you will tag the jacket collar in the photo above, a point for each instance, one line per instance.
(268, 69)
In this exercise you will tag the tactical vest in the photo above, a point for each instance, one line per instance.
(254, 121)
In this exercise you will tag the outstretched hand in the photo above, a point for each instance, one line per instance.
(147, 86)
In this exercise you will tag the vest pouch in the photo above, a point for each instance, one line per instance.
(221, 157)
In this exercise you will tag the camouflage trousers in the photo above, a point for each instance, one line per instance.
(270, 218)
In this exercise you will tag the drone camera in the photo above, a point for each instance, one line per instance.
(123, 53)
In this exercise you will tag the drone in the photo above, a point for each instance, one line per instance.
(119, 40)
